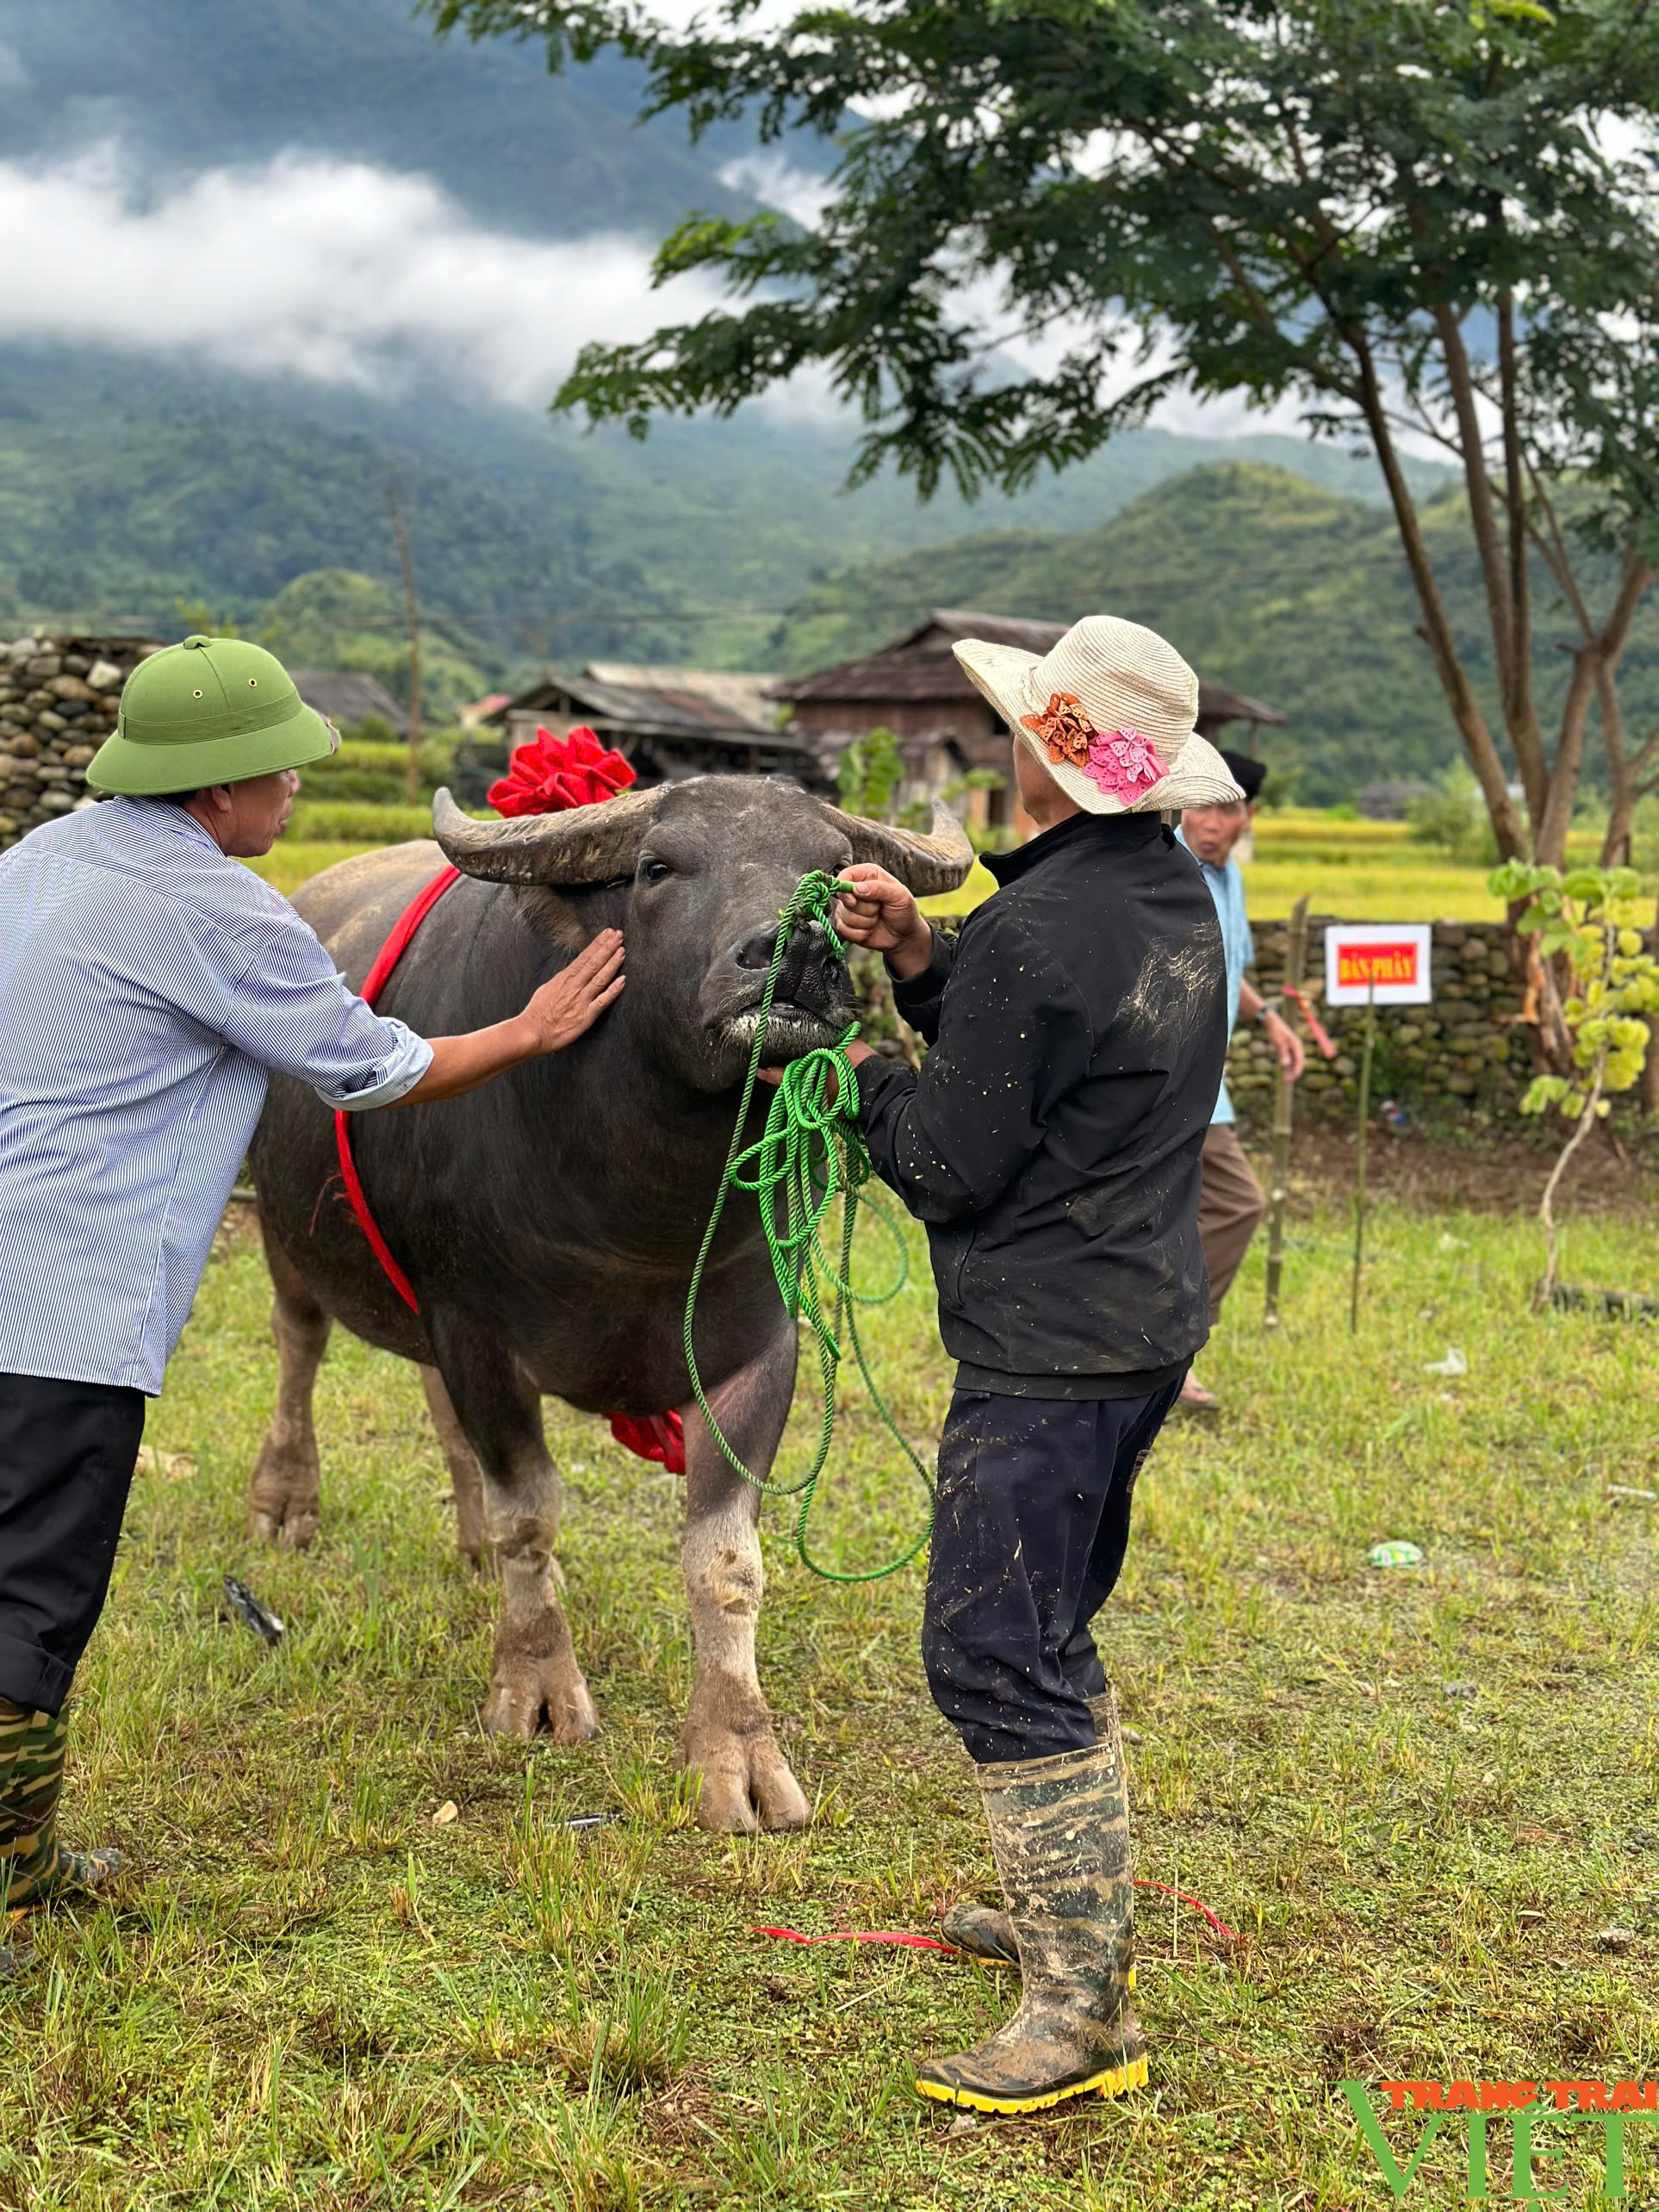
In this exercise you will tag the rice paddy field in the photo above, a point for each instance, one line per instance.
(1358, 870)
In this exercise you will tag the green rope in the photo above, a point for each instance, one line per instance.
(810, 1154)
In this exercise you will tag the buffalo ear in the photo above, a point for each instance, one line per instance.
(584, 845)
(925, 865)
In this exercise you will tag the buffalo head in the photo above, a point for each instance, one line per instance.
(695, 874)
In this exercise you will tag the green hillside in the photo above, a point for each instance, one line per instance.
(1267, 584)
(126, 484)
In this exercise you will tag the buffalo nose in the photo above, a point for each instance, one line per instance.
(756, 952)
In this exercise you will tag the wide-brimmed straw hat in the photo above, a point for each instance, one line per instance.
(1110, 713)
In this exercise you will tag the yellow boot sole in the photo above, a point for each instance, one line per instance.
(1112, 2081)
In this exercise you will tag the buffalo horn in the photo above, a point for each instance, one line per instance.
(927, 865)
(585, 844)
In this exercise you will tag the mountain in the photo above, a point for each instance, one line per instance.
(126, 483)
(184, 85)
(1266, 583)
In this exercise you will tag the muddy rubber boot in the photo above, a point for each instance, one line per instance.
(984, 1931)
(1059, 1829)
(33, 1865)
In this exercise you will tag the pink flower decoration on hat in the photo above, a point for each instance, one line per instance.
(1121, 763)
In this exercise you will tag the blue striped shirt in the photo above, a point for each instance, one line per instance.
(1227, 888)
(148, 984)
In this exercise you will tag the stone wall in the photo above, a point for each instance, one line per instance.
(58, 703)
(1466, 1048)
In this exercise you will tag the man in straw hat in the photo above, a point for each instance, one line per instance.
(1233, 1203)
(148, 984)
(1053, 1143)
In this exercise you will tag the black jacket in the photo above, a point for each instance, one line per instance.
(1053, 1140)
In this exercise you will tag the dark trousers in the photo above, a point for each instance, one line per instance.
(1032, 1523)
(67, 1456)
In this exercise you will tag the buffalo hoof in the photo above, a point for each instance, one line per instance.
(282, 1507)
(744, 1784)
(526, 1693)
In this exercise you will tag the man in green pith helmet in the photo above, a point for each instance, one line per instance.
(148, 985)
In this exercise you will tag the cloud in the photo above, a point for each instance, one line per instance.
(769, 176)
(352, 275)
(329, 270)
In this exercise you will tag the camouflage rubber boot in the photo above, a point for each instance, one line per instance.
(1059, 1829)
(984, 1931)
(33, 1865)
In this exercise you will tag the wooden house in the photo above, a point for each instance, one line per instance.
(944, 726)
(667, 723)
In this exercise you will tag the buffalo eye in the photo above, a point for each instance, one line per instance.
(654, 871)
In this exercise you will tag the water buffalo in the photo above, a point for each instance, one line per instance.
(549, 1223)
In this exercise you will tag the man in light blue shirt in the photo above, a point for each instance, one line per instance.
(1232, 1203)
(149, 984)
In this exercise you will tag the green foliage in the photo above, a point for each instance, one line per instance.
(869, 772)
(372, 766)
(337, 618)
(1377, 212)
(201, 621)
(1609, 980)
(1452, 815)
(334, 822)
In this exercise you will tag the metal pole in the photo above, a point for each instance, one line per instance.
(1296, 952)
(1359, 1149)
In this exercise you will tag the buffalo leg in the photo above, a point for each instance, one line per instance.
(465, 1474)
(727, 1740)
(285, 1496)
(533, 1671)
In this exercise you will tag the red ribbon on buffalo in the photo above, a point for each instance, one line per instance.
(558, 773)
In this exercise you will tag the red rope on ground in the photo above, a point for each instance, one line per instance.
(932, 1943)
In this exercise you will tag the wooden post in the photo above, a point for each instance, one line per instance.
(1295, 953)
(1359, 1150)
(412, 781)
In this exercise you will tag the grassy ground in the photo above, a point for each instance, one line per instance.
(1418, 1797)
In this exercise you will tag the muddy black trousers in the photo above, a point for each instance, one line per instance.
(67, 1456)
(1032, 1526)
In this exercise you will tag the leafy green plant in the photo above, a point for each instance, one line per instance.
(1451, 814)
(1591, 980)
(870, 774)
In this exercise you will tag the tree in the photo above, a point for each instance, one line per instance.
(1571, 929)
(1430, 220)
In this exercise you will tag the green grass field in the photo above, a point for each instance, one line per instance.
(1419, 1797)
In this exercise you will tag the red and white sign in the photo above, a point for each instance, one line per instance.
(1387, 960)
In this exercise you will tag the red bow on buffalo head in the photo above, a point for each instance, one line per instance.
(556, 773)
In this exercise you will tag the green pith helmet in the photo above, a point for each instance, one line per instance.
(211, 711)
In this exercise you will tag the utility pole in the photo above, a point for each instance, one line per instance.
(411, 788)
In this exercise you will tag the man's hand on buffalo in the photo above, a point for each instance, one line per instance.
(876, 911)
(564, 1009)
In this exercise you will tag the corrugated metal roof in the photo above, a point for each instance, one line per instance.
(617, 710)
(346, 695)
(742, 696)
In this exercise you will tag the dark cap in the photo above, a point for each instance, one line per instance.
(1249, 775)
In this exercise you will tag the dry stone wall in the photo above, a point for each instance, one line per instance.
(1468, 1048)
(59, 698)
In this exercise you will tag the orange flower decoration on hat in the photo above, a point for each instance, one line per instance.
(1064, 728)
(1121, 762)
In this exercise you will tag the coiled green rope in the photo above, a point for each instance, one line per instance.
(810, 1154)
